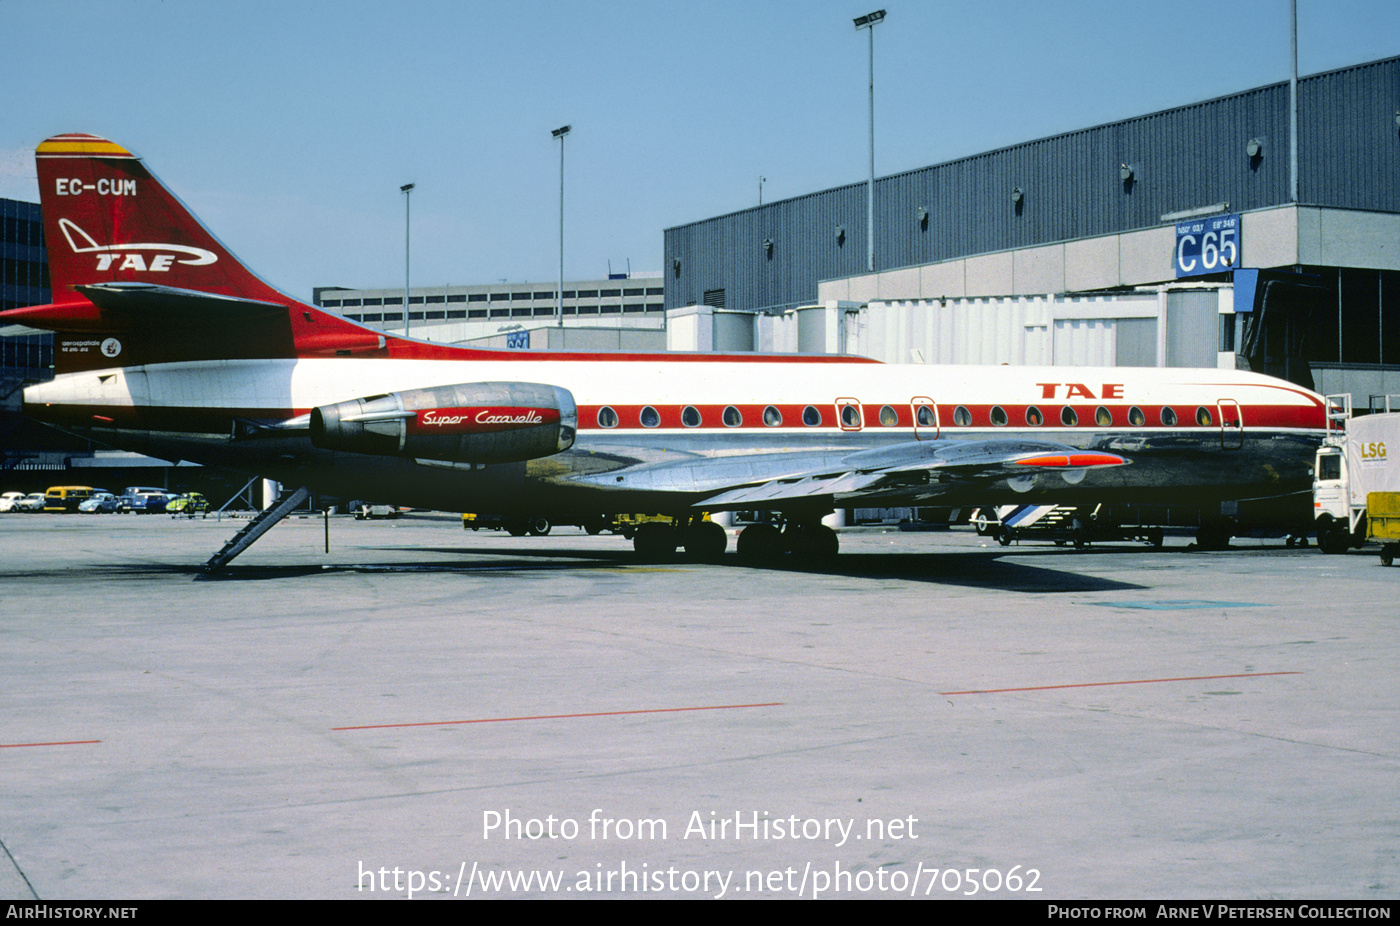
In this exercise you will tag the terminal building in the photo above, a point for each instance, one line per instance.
(1178, 237)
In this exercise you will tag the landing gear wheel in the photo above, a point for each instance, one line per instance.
(705, 541)
(760, 543)
(655, 542)
(539, 527)
(812, 541)
(1155, 537)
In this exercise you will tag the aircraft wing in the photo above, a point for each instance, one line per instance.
(916, 469)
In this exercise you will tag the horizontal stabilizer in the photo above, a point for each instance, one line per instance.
(170, 305)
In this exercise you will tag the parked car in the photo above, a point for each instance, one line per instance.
(66, 498)
(34, 501)
(189, 505)
(142, 500)
(99, 503)
(9, 499)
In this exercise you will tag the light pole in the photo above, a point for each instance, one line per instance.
(407, 191)
(868, 22)
(559, 133)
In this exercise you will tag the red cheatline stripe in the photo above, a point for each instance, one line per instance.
(1134, 681)
(66, 743)
(654, 710)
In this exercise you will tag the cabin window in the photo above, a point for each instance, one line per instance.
(1136, 418)
(651, 418)
(1068, 417)
(1168, 416)
(732, 417)
(607, 418)
(1103, 417)
(1203, 416)
(690, 416)
(1033, 416)
(999, 418)
(850, 416)
(811, 416)
(925, 416)
(772, 417)
(888, 416)
(961, 416)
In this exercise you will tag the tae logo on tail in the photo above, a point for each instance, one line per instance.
(109, 255)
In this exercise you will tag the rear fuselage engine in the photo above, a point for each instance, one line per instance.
(464, 423)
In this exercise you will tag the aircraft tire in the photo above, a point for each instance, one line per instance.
(705, 541)
(539, 527)
(655, 542)
(812, 542)
(760, 543)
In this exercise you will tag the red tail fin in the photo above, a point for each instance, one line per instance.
(136, 278)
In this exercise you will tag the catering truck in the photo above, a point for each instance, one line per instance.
(1361, 455)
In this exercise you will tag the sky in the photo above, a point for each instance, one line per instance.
(288, 127)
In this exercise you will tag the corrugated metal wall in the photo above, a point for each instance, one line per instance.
(1185, 158)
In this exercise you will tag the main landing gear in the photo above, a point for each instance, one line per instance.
(805, 541)
(704, 541)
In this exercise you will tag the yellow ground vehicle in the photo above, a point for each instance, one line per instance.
(65, 498)
(1383, 523)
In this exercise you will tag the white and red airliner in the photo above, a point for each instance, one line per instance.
(168, 345)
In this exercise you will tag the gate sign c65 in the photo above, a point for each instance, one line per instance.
(1207, 245)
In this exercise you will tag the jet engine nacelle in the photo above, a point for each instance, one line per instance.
(465, 423)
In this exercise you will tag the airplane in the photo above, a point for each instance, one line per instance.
(166, 344)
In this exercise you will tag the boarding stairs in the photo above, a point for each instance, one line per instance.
(286, 503)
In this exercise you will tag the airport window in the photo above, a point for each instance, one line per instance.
(925, 416)
(456, 313)
(1033, 417)
(476, 297)
(349, 302)
(607, 418)
(732, 417)
(457, 297)
(612, 309)
(500, 297)
(413, 300)
(1203, 417)
(476, 313)
(811, 416)
(1068, 417)
(650, 417)
(1103, 417)
(1135, 417)
(434, 299)
(520, 297)
(570, 294)
(690, 416)
(772, 417)
(850, 415)
(549, 295)
(655, 291)
(961, 416)
(632, 292)
(998, 416)
(374, 302)
(522, 312)
(588, 310)
(1168, 416)
(500, 313)
(393, 300)
(435, 315)
(888, 416)
(610, 293)
(393, 316)
(588, 294)
(373, 317)
(543, 310)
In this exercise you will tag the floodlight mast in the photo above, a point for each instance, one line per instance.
(559, 133)
(407, 191)
(868, 22)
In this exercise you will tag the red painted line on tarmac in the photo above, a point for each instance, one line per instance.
(654, 710)
(1134, 681)
(66, 743)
